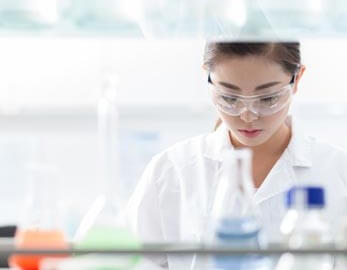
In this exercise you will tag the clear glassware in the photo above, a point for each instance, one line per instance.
(41, 226)
(305, 226)
(99, 228)
(235, 215)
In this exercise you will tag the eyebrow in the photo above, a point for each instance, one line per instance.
(259, 87)
(234, 87)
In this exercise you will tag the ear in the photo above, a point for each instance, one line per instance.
(298, 77)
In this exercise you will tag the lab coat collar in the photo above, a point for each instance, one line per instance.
(282, 176)
(298, 151)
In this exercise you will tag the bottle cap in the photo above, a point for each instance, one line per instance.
(312, 196)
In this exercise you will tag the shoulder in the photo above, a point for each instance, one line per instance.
(322, 150)
(312, 148)
(328, 155)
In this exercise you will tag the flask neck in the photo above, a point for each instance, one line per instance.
(234, 197)
(243, 177)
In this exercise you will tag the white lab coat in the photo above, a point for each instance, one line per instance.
(176, 192)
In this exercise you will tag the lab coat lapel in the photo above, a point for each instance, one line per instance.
(280, 179)
(298, 154)
(282, 176)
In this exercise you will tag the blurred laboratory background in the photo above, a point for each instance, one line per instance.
(55, 54)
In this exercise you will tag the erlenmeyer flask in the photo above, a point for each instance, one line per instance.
(99, 230)
(41, 226)
(235, 216)
(99, 227)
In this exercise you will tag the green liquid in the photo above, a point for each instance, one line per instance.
(104, 237)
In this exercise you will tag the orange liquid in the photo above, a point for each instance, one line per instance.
(36, 239)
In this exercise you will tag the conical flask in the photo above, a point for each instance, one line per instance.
(41, 226)
(235, 217)
(99, 228)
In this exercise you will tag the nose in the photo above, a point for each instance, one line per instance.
(248, 116)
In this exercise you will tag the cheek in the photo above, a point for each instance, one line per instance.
(229, 120)
(275, 120)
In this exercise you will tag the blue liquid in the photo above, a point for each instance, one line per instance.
(240, 233)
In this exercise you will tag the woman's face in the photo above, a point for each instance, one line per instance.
(249, 76)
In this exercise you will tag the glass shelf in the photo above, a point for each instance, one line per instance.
(173, 249)
(226, 20)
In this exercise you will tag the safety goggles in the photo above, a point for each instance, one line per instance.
(261, 105)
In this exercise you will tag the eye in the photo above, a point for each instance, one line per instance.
(269, 101)
(229, 100)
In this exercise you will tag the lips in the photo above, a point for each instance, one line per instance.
(250, 133)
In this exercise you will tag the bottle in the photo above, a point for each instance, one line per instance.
(236, 217)
(303, 227)
(295, 204)
(40, 227)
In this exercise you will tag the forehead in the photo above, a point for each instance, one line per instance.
(248, 72)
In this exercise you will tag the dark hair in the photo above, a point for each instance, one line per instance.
(286, 54)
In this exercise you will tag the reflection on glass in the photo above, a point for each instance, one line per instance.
(214, 19)
(28, 13)
(171, 18)
(100, 14)
(338, 12)
(297, 16)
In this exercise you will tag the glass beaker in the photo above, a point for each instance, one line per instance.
(41, 226)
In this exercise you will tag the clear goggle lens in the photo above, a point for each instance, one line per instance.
(263, 105)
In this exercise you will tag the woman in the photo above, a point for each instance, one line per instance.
(252, 86)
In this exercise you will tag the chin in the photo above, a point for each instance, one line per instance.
(252, 142)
